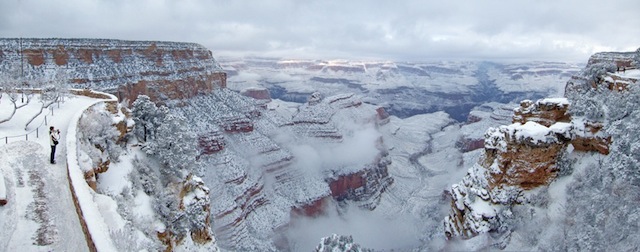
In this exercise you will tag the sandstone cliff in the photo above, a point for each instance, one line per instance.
(518, 158)
(161, 70)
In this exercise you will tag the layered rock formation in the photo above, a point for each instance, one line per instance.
(620, 59)
(404, 89)
(517, 158)
(161, 70)
(252, 161)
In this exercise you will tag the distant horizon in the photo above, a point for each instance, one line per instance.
(282, 56)
(405, 30)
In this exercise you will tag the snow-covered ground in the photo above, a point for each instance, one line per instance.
(40, 215)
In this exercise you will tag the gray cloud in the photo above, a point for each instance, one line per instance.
(408, 29)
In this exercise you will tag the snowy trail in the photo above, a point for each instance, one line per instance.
(40, 214)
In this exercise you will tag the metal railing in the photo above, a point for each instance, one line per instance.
(36, 130)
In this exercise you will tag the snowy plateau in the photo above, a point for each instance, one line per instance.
(265, 154)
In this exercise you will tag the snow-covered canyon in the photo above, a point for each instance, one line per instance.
(289, 154)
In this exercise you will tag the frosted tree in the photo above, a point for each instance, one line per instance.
(11, 83)
(147, 117)
(51, 92)
(175, 146)
(144, 176)
(602, 209)
(97, 133)
(595, 71)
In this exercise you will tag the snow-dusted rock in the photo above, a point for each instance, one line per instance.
(517, 157)
(161, 70)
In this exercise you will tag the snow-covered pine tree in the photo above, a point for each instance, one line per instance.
(147, 117)
(175, 146)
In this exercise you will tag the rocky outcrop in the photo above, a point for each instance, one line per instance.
(620, 59)
(210, 143)
(364, 186)
(191, 218)
(588, 137)
(517, 158)
(161, 70)
(237, 125)
(382, 116)
(257, 93)
(194, 200)
(109, 112)
(545, 112)
(313, 209)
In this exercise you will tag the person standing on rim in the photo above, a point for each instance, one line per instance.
(54, 136)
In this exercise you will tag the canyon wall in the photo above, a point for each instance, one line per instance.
(161, 70)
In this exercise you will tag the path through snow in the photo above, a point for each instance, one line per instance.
(40, 214)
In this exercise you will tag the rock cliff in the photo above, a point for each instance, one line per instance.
(585, 138)
(161, 70)
(517, 159)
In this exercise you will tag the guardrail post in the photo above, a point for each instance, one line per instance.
(45, 120)
(26, 136)
(37, 131)
(6, 140)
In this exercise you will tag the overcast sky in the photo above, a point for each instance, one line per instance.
(562, 30)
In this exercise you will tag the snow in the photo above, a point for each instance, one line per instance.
(143, 207)
(483, 208)
(115, 179)
(558, 101)
(3, 188)
(85, 195)
(24, 161)
(531, 132)
(630, 73)
(108, 208)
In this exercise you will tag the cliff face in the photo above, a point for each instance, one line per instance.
(259, 162)
(587, 138)
(518, 158)
(161, 70)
